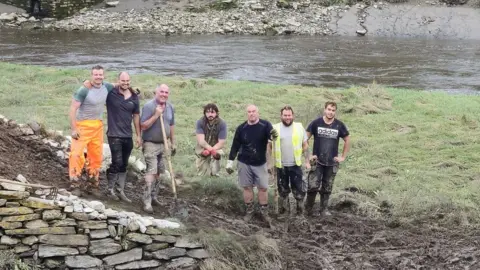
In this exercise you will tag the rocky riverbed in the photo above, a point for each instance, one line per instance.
(426, 19)
(250, 18)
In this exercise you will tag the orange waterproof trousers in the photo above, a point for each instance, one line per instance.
(91, 137)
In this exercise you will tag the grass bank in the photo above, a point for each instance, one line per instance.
(414, 153)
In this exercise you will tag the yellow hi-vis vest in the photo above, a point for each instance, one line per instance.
(297, 142)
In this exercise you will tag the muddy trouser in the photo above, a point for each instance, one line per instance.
(120, 148)
(91, 137)
(208, 165)
(290, 179)
(322, 180)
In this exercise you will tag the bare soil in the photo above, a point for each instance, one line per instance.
(342, 241)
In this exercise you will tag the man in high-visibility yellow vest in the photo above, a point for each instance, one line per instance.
(288, 160)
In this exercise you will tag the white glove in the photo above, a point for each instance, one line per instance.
(229, 167)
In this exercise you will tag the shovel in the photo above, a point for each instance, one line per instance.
(169, 160)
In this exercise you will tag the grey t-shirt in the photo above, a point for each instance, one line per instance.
(222, 129)
(154, 133)
(286, 145)
(92, 101)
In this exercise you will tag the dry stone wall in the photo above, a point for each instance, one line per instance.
(71, 233)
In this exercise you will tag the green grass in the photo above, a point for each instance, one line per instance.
(412, 150)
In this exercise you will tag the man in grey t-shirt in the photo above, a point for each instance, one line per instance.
(86, 115)
(211, 133)
(153, 143)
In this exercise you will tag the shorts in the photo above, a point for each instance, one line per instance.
(153, 154)
(249, 176)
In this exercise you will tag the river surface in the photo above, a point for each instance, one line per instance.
(431, 64)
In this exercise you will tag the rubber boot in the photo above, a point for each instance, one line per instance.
(265, 214)
(324, 205)
(156, 187)
(283, 205)
(122, 178)
(309, 202)
(147, 198)
(249, 209)
(300, 208)
(92, 186)
(112, 178)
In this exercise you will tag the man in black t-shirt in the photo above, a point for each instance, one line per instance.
(123, 108)
(326, 131)
(250, 143)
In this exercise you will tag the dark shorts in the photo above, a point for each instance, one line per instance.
(291, 179)
(321, 178)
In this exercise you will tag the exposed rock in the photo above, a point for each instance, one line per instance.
(2, 202)
(198, 253)
(30, 240)
(124, 257)
(10, 225)
(38, 203)
(21, 249)
(45, 251)
(104, 247)
(52, 215)
(169, 253)
(97, 206)
(49, 230)
(21, 178)
(82, 261)
(12, 187)
(64, 240)
(139, 265)
(112, 3)
(139, 238)
(12, 204)
(92, 224)
(153, 230)
(127, 244)
(34, 224)
(13, 195)
(7, 240)
(79, 216)
(22, 218)
(181, 263)
(53, 263)
(64, 223)
(186, 243)
(164, 238)
(98, 234)
(112, 231)
(155, 246)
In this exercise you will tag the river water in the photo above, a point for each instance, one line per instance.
(431, 64)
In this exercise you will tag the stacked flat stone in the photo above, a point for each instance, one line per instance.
(78, 234)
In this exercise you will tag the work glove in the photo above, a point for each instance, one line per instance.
(229, 167)
(274, 134)
(205, 153)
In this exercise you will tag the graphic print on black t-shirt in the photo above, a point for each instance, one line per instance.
(326, 138)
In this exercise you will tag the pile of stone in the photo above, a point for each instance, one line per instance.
(78, 234)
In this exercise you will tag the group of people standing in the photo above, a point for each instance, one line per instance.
(252, 144)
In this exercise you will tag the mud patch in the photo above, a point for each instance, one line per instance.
(344, 240)
(30, 157)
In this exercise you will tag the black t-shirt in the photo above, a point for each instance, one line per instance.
(250, 142)
(326, 139)
(120, 113)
